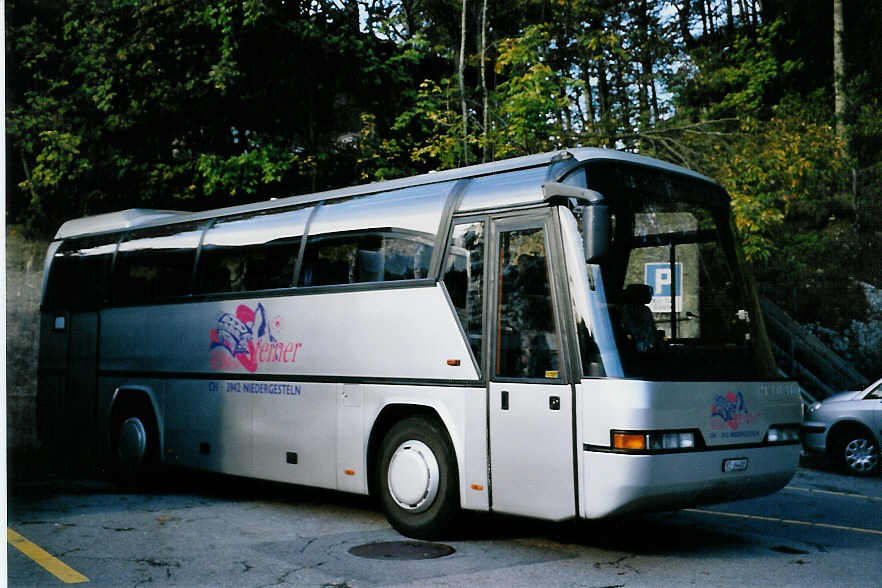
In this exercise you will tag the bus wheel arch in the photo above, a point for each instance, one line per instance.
(135, 439)
(414, 471)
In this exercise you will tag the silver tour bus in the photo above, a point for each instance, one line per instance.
(572, 334)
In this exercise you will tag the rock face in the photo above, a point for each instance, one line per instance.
(861, 342)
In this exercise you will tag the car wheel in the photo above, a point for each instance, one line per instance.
(418, 480)
(859, 454)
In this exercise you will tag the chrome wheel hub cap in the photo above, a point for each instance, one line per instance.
(132, 441)
(413, 476)
(860, 455)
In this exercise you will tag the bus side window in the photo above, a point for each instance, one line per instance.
(371, 256)
(246, 253)
(464, 279)
(381, 237)
(153, 264)
(78, 275)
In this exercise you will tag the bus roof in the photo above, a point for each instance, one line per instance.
(140, 217)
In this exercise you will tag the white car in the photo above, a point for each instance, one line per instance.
(847, 427)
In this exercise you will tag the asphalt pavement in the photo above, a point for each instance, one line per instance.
(194, 529)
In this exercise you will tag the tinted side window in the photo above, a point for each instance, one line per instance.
(376, 256)
(251, 253)
(78, 278)
(464, 280)
(374, 238)
(153, 264)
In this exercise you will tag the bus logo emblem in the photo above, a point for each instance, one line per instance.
(245, 337)
(731, 410)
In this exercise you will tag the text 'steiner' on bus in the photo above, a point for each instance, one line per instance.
(565, 335)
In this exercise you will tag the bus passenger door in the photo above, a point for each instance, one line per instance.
(531, 406)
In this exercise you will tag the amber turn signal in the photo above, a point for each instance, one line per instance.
(629, 441)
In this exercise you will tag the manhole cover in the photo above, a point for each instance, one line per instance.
(404, 550)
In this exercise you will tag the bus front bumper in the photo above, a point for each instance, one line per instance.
(617, 483)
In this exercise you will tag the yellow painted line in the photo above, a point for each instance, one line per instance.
(785, 521)
(51, 564)
(832, 493)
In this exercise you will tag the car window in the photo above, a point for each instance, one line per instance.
(875, 393)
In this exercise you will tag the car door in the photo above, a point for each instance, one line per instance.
(872, 404)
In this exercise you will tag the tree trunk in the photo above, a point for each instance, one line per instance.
(838, 69)
(710, 16)
(465, 118)
(408, 8)
(486, 150)
(645, 54)
(684, 15)
(742, 13)
(730, 17)
(624, 99)
(603, 102)
(589, 95)
(703, 12)
(603, 87)
(27, 170)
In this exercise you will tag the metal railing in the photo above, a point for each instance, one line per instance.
(820, 371)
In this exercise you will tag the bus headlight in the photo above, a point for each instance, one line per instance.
(782, 433)
(653, 441)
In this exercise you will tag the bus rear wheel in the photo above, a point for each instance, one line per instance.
(136, 443)
(418, 480)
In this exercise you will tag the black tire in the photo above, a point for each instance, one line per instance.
(135, 445)
(858, 453)
(413, 503)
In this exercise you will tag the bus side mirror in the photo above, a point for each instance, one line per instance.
(596, 231)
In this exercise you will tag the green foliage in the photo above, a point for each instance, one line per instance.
(160, 103)
(778, 167)
(435, 115)
(530, 100)
(745, 79)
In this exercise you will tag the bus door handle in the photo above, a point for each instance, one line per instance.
(554, 402)
(505, 400)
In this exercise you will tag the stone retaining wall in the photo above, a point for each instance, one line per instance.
(24, 275)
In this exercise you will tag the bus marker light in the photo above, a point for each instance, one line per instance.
(629, 441)
(477, 487)
(453, 362)
(349, 472)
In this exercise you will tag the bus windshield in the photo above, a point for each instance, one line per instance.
(680, 304)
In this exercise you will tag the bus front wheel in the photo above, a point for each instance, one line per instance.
(417, 478)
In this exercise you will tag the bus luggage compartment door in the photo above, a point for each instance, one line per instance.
(531, 450)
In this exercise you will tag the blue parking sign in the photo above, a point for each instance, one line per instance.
(660, 278)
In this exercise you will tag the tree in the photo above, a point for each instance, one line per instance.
(839, 68)
(177, 105)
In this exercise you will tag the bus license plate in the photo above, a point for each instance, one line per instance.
(735, 465)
